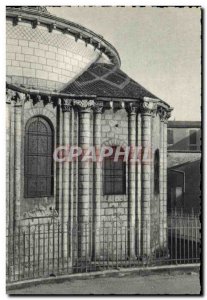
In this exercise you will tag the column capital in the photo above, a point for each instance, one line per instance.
(98, 107)
(168, 115)
(131, 108)
(66, 104)
(84, 105)
(162, 113)
(15, 96)
(148, 106)
(10, 95)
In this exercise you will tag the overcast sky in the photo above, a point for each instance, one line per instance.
(159, 48)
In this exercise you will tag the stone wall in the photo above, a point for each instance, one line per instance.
(42, 59)
(114, 206)
(75, 126)
(27, 207)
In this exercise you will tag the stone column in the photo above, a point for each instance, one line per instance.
(19, 101)
(71, 187)
(9, 117)
(139, 185)
(168, 115)
(98, 109)
(66, 108)
(161, 112)
(84, 108)
(10, 158)
(8, 105)
(147, 108)
(59, 172)
(132, 110)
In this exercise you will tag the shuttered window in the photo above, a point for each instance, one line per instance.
(38, 163)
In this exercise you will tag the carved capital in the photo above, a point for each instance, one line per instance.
(168, 114)
(49, 99)
(15, 96)
(38, 98)
(98, 107)
(20, 98)
(162, 113)
(10, 95)
(148, 107)
(66, 105)
(84, 105)
(131, 108)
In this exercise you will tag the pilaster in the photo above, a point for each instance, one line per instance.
(66, 109)
(147, 108)
(167, 116)
(84, 108)
(132, 111)
(97, 109)
(162, 114)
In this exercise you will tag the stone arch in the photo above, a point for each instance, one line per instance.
(44, 112)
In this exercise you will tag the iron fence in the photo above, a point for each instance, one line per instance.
(53, 248)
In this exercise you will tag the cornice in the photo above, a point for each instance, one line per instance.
(144, 106)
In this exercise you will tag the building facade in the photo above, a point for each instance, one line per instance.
(65, 88)
(184, 166)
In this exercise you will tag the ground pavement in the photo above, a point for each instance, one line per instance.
(176, 283)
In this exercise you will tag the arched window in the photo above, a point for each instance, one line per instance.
(38, 163)
(114, 175)
(157, 172)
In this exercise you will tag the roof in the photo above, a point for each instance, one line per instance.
(40, 13)
(41, 9)
(107, 80)
(184, 124)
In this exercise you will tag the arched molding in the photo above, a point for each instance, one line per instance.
(42, 112)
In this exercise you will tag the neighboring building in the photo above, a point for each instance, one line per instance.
(65, 87)
(184, 165)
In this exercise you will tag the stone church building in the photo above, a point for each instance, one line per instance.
(64, 88)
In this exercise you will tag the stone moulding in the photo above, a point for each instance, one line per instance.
(144, 106)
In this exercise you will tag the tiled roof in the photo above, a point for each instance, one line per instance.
(107, 80)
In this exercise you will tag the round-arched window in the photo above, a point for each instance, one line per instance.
(38, 158)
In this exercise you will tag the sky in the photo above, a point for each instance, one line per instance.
(160, 48)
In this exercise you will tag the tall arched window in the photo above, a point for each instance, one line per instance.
(38, 163)
(157, 172)
(114, 175)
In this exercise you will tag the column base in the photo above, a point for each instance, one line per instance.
(132, 257)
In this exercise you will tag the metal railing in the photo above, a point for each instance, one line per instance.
(53, 248)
